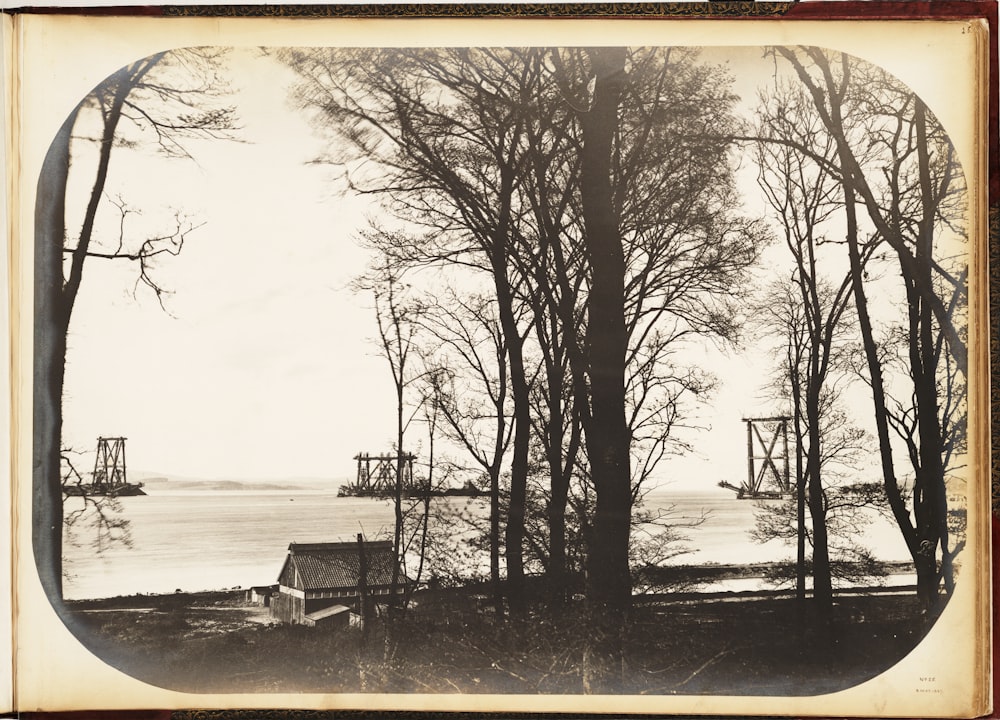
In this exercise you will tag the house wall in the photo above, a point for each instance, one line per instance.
(288, 608)
(291, 605)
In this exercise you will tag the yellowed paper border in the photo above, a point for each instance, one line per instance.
(66, 56)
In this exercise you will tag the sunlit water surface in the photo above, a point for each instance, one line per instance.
(202, 540)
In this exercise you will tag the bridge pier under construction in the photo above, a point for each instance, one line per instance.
(768, 466)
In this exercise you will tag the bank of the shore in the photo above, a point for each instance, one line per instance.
(696, 580)
(733, 643)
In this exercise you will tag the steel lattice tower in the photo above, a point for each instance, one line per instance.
(109, 466)
(773, 465)
(768, 466)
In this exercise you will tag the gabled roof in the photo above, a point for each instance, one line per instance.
(326, 566)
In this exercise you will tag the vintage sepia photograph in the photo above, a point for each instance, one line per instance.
(638, 369)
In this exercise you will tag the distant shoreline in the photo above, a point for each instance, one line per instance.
(685, 577)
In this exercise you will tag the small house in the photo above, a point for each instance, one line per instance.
(317, 577)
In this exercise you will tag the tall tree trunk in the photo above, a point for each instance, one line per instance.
(493, 469)
(558, 487)
(562, 357)
(892, 490)
(822, 582)
(495, 586)
(609, 588)
(932, 525)
(425, 514)
(561, 457)
(800, 483)
(397, 502)
(51, 322)
(514, 533)
(928, 468)
(395, 350)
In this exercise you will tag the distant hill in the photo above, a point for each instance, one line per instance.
(159, 481)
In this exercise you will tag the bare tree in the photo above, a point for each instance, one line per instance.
(416, 518)
(608, 440)
(896, 165)
(685, 250)
(847, 500)
(802, 193)
(470, 348)
(166, 98)
(397, 318)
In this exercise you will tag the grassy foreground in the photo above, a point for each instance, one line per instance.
(742, 645)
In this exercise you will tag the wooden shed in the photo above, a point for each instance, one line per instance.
(261, 594)
(318, 576)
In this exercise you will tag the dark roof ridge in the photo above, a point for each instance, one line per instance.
(313, 547)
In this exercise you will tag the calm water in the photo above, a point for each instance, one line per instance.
(213, 540)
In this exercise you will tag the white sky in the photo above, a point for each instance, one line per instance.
(257, 369)
(264, 366)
